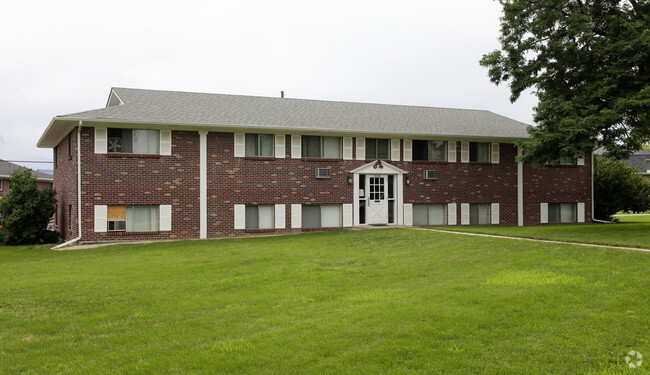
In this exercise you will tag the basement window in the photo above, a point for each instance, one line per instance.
(133, 141)
(260, 217)
(561, 212)
(133, 218)
(324, 216)
(429, 214)
(479, 213)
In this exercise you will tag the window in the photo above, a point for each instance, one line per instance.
(321, 147)
(479, 213)
(70, 219)
(647, 165)
(133, 141)
(377, 148)
(260, 217)
(563, 161)
(325, 216)
(70, 146)
(479, 152)
(259, 145)
(561, 212)
(430, 150)
(429, 214)
(132, 218)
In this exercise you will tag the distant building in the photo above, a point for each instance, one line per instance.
(640, 161)
(42, 180)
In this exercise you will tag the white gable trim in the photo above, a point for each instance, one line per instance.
(377, 167)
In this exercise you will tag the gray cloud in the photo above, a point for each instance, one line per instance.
(63, 57)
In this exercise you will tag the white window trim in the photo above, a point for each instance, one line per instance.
(280, 213)
(279, 146)
(361, 149)
(296, 216)
(296, 146)
(452, 215)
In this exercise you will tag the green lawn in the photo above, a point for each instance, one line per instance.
(633, 231)
(376, 301)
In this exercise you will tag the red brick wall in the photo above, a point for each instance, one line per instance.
(65, 184)
(110, 179)
(556, 184)
(4, 185)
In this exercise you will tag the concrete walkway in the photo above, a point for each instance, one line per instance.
(535, 240)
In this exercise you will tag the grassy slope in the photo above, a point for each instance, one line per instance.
(378, 301)
(633, 231)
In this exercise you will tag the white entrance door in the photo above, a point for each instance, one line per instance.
(377, 212)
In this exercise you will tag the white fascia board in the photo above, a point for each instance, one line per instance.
(47, 142)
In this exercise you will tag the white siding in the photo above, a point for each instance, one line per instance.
(495, 153)
(165, 217)
(581, 212)
(408, 214)
(347, 148)
(543, 213)
(240, 216)
(165, 142)
(494, 210)
(464, 152)
(451, 152)
(347, 215)
(280, 213)
(101, 219)
(240, 145)
(394, 149)
(101, 140)
(296, 216)
(408, 150)
(296, 146)
(464, 214)
(279, 146)
(451, 213)
(361, 149)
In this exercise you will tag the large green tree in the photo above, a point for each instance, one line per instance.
(587, 62)
(25, 211)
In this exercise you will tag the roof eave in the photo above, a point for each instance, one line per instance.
(49, 141)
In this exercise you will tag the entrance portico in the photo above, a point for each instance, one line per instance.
(378, 194)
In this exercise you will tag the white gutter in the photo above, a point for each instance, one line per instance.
(593, 218)
(78, 190)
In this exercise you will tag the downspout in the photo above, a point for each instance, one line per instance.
(593, 218)
(78, 190)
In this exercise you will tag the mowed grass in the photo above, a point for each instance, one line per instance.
(390, 301)
(631, 231)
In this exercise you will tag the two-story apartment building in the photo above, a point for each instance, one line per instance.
(160, 165)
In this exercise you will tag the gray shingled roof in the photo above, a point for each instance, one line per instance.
(217, 110)
(7, 167)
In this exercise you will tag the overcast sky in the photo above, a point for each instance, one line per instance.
(61, 57)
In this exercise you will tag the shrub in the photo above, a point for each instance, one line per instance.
(618, 187)
(25, 211)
